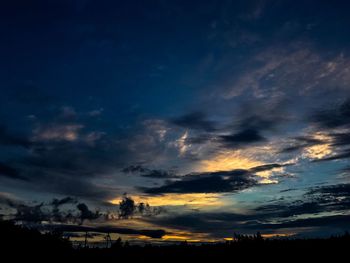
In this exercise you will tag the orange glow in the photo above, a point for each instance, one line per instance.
(272, 235)
(178, 199)
(188, 236)
(321, 150)
(228, 160)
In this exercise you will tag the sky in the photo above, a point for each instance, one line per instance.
(176, 120)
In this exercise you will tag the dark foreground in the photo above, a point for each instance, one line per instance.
(22, 243)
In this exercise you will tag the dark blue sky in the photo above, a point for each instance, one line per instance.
(236, 112)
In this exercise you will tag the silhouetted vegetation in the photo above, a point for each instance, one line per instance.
(19, 241)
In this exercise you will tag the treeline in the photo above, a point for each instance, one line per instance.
(16, 241)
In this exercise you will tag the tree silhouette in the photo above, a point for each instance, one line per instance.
(127, 207)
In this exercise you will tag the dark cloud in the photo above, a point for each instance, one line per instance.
(215, 182)
(63, 210)
(159, 174)
(340, 139)
(266, 167)
(289, 210)
(37, 213)
(67, 162)
(66, 167)
(146, 172)
(10, 172)
(333, 118)
(135, 168)
(200, 138)
(156, 233)
(195, 121)
(329, 198)
(246, 136)
(223, 224)
(66, 200)
(322, 202)
(57, 214)
(248, 126)
(253, 122)
(86, 213)
(5, 200)
(332, 192)
(299, 143)
(30, 214)
(266, 119)
(341, 222)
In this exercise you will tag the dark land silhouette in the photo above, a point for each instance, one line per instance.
(18, 241)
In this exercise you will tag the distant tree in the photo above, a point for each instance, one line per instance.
(127, 207)
(258, 237)
(141, 208)
(85, 213)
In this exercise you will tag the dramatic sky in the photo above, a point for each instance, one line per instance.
(223, 116)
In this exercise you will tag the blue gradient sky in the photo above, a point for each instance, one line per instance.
(224, 116)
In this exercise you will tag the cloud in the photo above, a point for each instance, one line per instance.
(252, 124)
(196, 121)
(300, 142)
(289, 210)
(66, 200)
(156, 233)
(324, 206)
(159, 174)
(30, 214)
(86, 214)
(340, 139)
(135, 168)
(55, 211)
(61, 160)
(68, 113)
(339, 116)
(340, 222)
(267, 167)
(95, 113)
(317, 145)
(146, 172)
(330, 193)
(328, 198)
(57, 132)
(9, 200)
(242, 137)
(214, 182)
(284, 65)
(57, 215)
(38, 213)
(343, 154)
(10, 172)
